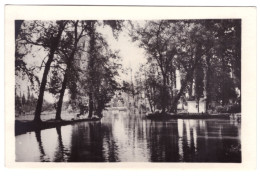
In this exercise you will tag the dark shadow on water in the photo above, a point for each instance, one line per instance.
(86, 143)
(43, 156)
(59, 154)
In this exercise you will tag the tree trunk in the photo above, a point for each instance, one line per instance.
(62, 92)
(164, 95)
(91, 106)
(64, 85)
(37, 116)
(99, 112)
(173, 87)
(207, 87)
(92, 57)
(150, 103)
(67, 72)
(198, 102)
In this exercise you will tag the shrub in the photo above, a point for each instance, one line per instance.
(229, 109)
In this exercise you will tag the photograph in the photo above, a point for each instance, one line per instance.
(149, 90)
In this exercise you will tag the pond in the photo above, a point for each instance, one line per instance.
(124, 137)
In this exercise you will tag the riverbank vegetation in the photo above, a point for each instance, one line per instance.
(186, 60)
(190, 60)
(77, 59)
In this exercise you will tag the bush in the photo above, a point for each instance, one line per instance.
(234, 108)
(221, 109)
(229, 109)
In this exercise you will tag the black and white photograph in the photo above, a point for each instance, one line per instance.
(164, 90)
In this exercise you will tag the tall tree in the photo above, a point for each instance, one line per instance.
(102, 69)
(222, 59)
(53, 43)
(172, 45)
(158, 39)
(46, 34)
(87, 65)
(69, 52)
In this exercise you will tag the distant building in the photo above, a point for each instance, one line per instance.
(194, 107)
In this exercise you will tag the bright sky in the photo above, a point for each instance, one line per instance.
(131, 55)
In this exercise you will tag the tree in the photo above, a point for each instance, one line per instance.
(201, 50)
(152, 85)
(157, 38)
(102, 69)
(69, 50)
(90, 66)
(230, 54)
(171, 45)
(47, 35)
(53, 45)
(222, 59)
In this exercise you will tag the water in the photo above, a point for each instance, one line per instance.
(120, 137)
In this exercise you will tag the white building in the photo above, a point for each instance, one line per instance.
(194, 107)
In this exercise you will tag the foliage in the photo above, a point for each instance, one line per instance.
(101, 72)
(206, 53)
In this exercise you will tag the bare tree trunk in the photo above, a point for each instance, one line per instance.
(37, 116)
(62, 92)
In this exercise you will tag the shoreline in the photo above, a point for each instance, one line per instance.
(22, 127)
(167, 116)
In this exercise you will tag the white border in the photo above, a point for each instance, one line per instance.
(250, 71)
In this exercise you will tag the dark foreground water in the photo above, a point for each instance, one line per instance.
(121, 137)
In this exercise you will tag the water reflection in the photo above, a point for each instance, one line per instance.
(62, 151)
(122, 137)
(43, 156)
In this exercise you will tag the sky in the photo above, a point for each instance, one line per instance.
(132, 56)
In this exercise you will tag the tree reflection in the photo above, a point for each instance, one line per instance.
(162, 138)
(43, 156)
(59, 154)
(86, 142)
